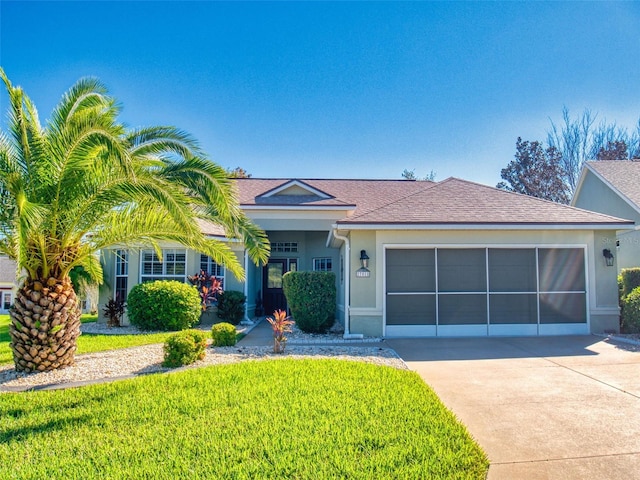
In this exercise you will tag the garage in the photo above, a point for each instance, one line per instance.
(478, 291)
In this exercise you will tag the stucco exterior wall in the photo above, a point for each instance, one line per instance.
(595, 195)
(8, 272)
(192, 267)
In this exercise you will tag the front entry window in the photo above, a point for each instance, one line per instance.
(275, 271)
(274, 298)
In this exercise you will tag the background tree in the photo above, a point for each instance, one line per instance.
(536, 171)
(411, 175)
(616, 150)
(238, 172)
(83, 183)
(580, 139)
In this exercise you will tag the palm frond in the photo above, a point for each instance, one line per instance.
(83, 182)
(161, 140)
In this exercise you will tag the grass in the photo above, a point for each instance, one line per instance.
(86, 343)
(302, 419)
(89, 343)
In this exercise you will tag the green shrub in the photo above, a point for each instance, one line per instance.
(231, 306)
(184, 348)
(223, 334)
(311, 296)
(631, 312)
(630, 280)
(163, 305)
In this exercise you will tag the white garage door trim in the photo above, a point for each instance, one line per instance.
(486, 329)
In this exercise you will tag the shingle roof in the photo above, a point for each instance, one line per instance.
(365, 194)
(622, 175)
(451, 201)
(210, 229)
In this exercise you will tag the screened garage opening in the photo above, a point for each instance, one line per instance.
(485, 291)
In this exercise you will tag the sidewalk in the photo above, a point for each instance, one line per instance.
(261, 335)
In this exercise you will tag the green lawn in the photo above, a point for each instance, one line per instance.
(86, 343)
(302, 419)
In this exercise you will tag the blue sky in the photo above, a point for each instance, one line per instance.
(337, 89)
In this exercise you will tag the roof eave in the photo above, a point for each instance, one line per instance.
(297, 207)
(346, 225)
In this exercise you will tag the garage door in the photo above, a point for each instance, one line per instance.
(485, 291)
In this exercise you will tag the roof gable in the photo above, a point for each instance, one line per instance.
(621, 176)
(295, 188)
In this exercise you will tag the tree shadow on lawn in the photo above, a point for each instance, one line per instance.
(67, 418)
(492, 348)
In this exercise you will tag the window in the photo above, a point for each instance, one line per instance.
(322, 264)
(284, 247)
(6, 300)
(172, 266)
(122, 274)
(212, 268)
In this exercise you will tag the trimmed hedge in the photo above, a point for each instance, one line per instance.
(311, 297)
(164, 305)
(630, 280)
(224, 335)
(231, 306)
(184, 348)
(631, 312)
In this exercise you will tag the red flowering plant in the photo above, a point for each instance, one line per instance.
(209, 287)
(280, 324)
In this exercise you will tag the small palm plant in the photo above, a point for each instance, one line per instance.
(280, 324)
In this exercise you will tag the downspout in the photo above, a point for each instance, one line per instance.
(347, 276)
(246, 320)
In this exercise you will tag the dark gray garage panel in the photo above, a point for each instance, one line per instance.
(485, 291)
(462, 270)
(411, 309)
(512, 270)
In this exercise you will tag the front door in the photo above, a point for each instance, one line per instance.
(272, 283)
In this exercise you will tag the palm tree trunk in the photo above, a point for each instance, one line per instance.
(45, 324)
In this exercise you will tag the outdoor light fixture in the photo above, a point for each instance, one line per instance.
(608, 257)
(363, 271)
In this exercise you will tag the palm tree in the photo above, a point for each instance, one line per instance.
(84, 182)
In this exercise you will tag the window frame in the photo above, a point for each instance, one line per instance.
(322, 263)
(166, 252)
(121, 274)
(209, 263)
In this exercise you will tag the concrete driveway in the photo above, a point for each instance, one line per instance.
(542, 408)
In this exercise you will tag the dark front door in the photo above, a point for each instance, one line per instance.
(272, 283)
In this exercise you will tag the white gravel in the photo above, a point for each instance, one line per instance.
(133, 361)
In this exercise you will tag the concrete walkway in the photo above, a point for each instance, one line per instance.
(542, 408)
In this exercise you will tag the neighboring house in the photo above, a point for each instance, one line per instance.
(8, 282)
(450, 258)
(613, 187)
